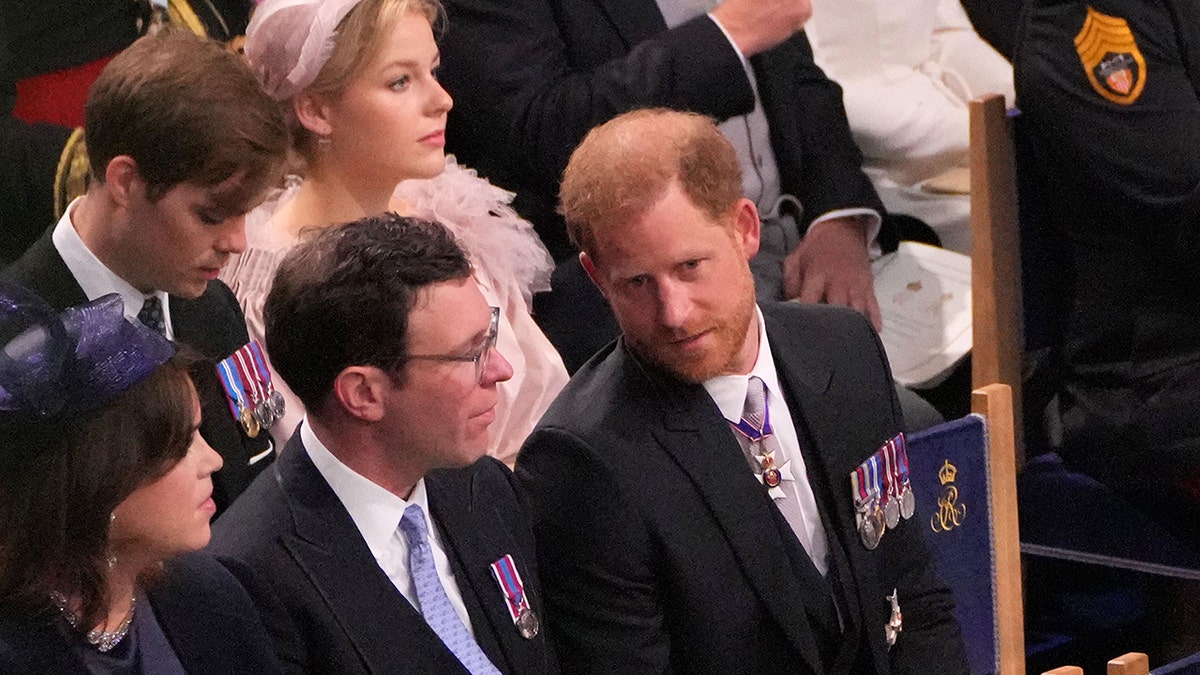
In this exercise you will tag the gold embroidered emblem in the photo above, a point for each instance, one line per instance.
(1111, 59)
(950, 513)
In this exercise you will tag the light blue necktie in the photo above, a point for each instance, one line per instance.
(435, 606)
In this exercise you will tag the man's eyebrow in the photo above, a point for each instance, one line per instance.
(471, 341)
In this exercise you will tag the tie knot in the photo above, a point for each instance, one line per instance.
(412, 524)
(755, 409)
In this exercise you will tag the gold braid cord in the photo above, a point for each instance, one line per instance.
(71, 178)
(180, 13)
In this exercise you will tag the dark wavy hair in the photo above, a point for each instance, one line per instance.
(342, 298)
(62, 478)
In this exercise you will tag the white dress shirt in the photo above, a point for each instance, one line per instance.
(94, 277)
(377, 513)
(729, 393)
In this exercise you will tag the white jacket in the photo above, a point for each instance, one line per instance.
(908, 69)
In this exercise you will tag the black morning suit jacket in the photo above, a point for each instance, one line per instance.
(205, 614)
(661, 552)
(212, 324)
(531, 77)
(331, 609)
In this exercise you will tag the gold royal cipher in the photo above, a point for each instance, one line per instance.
(950, 513)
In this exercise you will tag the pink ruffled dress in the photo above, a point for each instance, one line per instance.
(510, 263)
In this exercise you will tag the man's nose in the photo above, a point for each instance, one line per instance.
(674, 304)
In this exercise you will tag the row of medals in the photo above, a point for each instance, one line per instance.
(875, 522)
(261, 414)
(879, 512)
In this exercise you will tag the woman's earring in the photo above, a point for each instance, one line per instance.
(323, 143)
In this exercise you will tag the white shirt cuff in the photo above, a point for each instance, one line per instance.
(870, 216)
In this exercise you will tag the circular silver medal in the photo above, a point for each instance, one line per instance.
(527, 623)
(264, 414)
(871, 527)
(891, 510)
(908, 502)
(277, 404)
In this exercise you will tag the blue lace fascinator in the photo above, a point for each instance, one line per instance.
(62, 364)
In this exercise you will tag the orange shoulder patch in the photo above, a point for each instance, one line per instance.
(1114, 65)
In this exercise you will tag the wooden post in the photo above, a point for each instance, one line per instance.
(995, 403)
(997, 315)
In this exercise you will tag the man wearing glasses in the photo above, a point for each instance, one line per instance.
(384, 540)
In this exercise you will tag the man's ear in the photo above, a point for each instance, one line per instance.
(747, 227)
(313, 111)
(589, 266)
(359, 391)
(123, 182)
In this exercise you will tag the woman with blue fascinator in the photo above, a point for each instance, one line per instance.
(104, 484)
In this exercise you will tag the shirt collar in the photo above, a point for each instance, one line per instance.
(375, 511)
(729, 391)
(93, 276)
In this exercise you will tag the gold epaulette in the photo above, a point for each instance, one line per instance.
(71, 178)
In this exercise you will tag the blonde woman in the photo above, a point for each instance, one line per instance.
(357, 78)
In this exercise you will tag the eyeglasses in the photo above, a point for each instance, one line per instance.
(481, 353)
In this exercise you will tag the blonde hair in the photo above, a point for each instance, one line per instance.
(296, 47)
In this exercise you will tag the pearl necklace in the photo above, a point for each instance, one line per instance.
(102, 640)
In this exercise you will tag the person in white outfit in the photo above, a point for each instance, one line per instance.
(907, 70)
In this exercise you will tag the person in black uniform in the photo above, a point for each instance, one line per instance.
(1110, 95)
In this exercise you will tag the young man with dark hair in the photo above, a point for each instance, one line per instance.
(383, 540)
(183, 143)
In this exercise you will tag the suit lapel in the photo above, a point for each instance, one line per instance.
(463, 516)
(806, 379)
(193, 326)
(701, 443)
(42, 270)
(328, 547)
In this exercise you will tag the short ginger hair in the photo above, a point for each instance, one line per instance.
(624, 166)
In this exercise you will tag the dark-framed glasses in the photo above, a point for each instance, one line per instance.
(479, 355)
